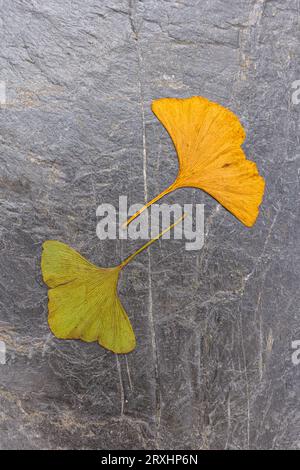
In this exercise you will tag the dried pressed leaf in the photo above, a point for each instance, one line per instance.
(208, 140)
(83, 298)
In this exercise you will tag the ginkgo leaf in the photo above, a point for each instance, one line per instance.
(83, 298)
(208, 139)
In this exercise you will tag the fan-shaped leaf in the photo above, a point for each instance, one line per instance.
(83, 298)
(208, 140)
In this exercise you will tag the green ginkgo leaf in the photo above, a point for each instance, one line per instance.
(83, 298)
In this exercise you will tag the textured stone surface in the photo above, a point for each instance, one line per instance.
(213, 364)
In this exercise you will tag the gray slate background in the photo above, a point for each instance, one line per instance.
(212, 368)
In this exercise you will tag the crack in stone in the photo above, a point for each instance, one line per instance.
(132, 10)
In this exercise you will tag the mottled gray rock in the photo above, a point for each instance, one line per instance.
(213, 366)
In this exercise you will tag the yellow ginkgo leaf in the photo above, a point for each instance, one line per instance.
(208, 139)
(83, 298)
